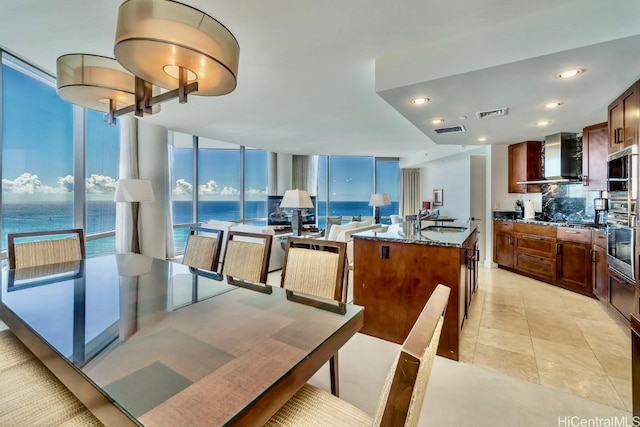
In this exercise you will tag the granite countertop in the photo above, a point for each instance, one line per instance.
(587, 225)
(427, 237)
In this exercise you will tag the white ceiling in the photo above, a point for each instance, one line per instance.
(336, 77)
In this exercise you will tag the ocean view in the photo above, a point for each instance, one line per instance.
(36, 216)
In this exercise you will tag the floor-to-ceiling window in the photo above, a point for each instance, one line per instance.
(228, 183)
(37, 152)
(255, 186)
(345, 185)
(38, 134)
(102, 152)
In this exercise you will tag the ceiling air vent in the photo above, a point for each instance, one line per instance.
(450, 129)
(492, 113)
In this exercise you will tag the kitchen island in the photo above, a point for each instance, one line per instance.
(394, 276)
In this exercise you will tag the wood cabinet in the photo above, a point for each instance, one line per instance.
(525, 164)
(535, 250)
(393, 289)
(595, 147)
(623, 120)
(600, 279)
(573, 259)
(622, 295)
(503, 243)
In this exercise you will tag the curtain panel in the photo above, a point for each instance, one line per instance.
(409, 191)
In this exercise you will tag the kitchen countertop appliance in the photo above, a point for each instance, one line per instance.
(600, 206)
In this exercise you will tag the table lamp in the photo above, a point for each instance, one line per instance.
(134, 191)
(377, 200)
(296, 199)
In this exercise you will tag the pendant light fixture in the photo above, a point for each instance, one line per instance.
(158, 43)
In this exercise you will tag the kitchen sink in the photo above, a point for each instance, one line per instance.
(445, 228)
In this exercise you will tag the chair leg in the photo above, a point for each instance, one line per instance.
(333, 369)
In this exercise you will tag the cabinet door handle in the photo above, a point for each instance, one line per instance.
(594, 256)
(585, 180)
(537, 258)
(572, 232)
(558, 248)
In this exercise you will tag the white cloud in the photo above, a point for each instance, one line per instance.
(229, 191)
(30, 183)
(210, 187)
(183, 187)
(98, 184)
(255, 192)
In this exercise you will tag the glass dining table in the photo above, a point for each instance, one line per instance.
(143, 341)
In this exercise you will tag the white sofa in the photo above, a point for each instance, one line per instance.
(276, 258)
(343, 232)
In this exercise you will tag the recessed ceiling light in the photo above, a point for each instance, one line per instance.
(483, 139)
(543, 122)
(437, 121)
(570, 73)
(462, 117)
(552, 105)
(419, 101)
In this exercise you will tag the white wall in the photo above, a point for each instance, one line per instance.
(453, 176)
(501, 199)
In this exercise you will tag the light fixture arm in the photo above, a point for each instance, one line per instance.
(144, 101)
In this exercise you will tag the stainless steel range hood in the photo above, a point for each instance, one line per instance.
(562, 159)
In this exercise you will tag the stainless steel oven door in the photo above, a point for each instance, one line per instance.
(621, 250)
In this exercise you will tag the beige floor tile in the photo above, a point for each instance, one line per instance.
(506, 340)
(498, 309)
(514, 364)
(570, 356)
(505, 322)
(614, 365)
(557, 327)
(466, 350)
(579, 382)
(624, 389)
(613, 330)
(604, 342)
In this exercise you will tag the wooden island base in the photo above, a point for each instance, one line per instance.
(394, 279)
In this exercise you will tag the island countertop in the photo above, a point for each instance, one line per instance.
(452, 234)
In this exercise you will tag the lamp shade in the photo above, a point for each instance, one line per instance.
(91, 81)
(296, 199)
(134, 190)
(156, 37)
(379, 199)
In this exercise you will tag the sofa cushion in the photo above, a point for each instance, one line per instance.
(356, 218)
(331, 221)
(261, 229)
(337, 229)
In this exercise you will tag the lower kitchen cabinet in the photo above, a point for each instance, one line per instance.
(503, 243)
(623, 295)
(600, 269)
(573, 260)
(535, 251)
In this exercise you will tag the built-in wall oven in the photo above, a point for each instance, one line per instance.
(622, 186)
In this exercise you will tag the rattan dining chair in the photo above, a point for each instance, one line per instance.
(45, 247)
(247, 256)
(203, 248)
(402, 394)
(317, 267)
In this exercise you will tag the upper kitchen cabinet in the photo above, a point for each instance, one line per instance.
(623, 119)
(525, 164)
(595, 147)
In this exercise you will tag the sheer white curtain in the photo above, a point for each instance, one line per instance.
(128, 169)
(409, 191)
(171, 250)
(305, 173)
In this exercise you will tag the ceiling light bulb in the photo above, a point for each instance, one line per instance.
(483, 139)
(437, 121)
(553, 105)
(543, 122)
(570, 73)
(419, 101)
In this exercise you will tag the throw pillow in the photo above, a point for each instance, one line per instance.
(332, 220)
(356, 218)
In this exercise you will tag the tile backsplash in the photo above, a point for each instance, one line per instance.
(568, 202)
